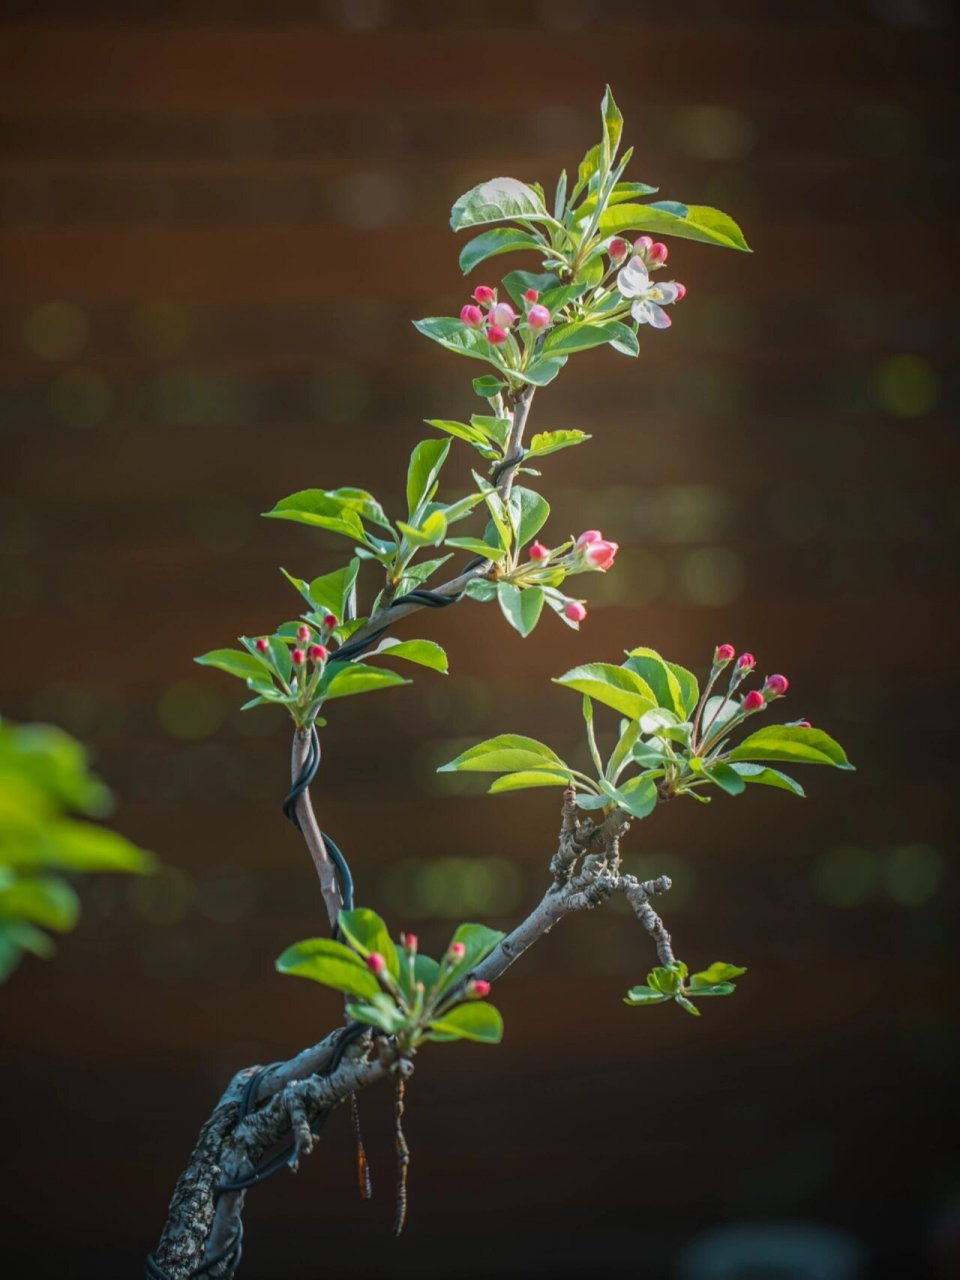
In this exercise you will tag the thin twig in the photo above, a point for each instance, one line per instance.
(403, 1156)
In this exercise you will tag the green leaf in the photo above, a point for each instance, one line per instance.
(366, 932)
(478, 941)
(721, 989)
(422, 473)
(518, 282)
(430, 531)
(506, 753)
(791, 742)
(462, 431)
(487, 386)
(43, 900)
(362, 502)
(616, 687)
(664, 683)
(697, 222)
(688, 1005)
(638, 796)
(498, 512)
(334, 592)
(726, 778)
(527, 778)
(499, 200)
(552, 441)
(476, 1020)
(521, 609)
(589, 165)
(644, 995)
(491, 243)
(479, 548)
(768, 777)
(612, 127)
(625, 341)
(689, 687)
(381, 1011)
(342, 680)
(453, 334)
(497, 430)
(425, 653)
(718, 972)
(480, 589)
(242, 665)
(69, 845)
(331, 964)
(668, 978)
(316, 508)
(581, 335)
(529, 512)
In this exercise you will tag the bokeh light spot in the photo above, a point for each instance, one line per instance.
(56, 331)
(711, 576)
(908, 386)
(716, 133)
(163, 898)
(450, 887)
(913, 873)
(160, 328)
(190, 710)
(847, 876)
(80, 397)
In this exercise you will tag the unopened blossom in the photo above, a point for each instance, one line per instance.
(538, 551)
(318, 653)
(538, 317)
(649, 298)
(575, 611)
(657, 253)
(298, 657)
(376, 962)
(502, 315)
(497, 335)
(479, 988)
(600, 554)
(618, 250)
(588, 536)
(753, 701)
(776, 686)
(330, 621)
(724, 653)
(457, 951)
(263, 646)
(472, 316)
(484, 294)
(746, 662)
(531, 295)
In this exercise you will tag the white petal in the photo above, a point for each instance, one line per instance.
(641, 311)
(658, 318)
(633, 278)
(668, 292)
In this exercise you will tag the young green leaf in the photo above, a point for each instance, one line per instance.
(767, 777)
(612, 127)
(341, 680)
(638, 796)
(335, 592)
(521, 609)
(506, 753)
(316, 508)
(529, 512)
(689, 688)
(426, 461)
(717, 972)
(689, 222)
(581, 335)
(245, 666)
(499, 200)
(331, 964)
(615, 687)
(545, 442)
(726, 778)
(366, 932)
(644, 995)
(791, 743)
(527, 778)
(658, 675)
(426, 653)
(452, 333)
(428, 532)
(491, 243)
(476, 1020)
(43, 900)
(380, 1011)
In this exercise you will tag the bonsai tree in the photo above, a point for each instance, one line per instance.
(652, 733)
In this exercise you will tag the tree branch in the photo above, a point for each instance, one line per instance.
(203, 1222)
(310, 829)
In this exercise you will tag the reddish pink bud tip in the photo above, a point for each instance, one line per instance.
(538, 317)
(484, 294)
(658, 252)
(263, 646)
(575, 611)
(318, 653)
(777, 686)
(753, 701)
(298, 657)
(303, 634)
(531, 295)
(457, 951)
(496, 335)
(479, 988)
(472, 316)
(618, 249)
(643, 244)
(330, 621)
(376, 962)
(746, 662)
(803, 724)
(600, 554)
(410, 943)
(591, 535)
(724, 653)
(539, 552)
(681, 290)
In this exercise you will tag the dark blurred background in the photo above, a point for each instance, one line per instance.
(218, 220)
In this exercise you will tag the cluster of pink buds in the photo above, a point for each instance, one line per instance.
(499, 318)
(594, 551)
(653, 252)
(774, 686)
(316, 653)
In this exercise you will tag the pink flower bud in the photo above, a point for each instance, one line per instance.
(410, 943)
(753, 701)
(681, 290)
(538, 317)
(531, 295)
(318, 653)
(539, 552)
(484, 294)
(746, 662)
(591, 535)
(471, 316)
(724, 653)
(457, 951)
(803, 724)
(479, 989)
(299, 657)
(643, 245)
(575, 611)
(618, 250)
(496, 335)
(263, 646)
(376, 962)
(303, 634)
(502, 315)
(601, 554)
(330, 621)
(776, 686)
(657, 253)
